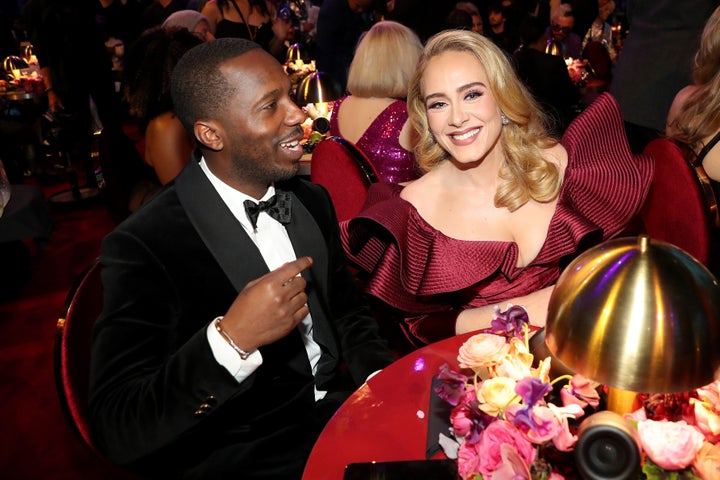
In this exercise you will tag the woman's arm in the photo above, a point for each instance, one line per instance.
(212, 12)
(535, 303)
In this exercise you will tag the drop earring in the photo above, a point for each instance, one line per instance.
(504, 119)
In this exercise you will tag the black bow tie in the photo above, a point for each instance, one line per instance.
(277, 206)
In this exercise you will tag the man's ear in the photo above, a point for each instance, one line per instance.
(209, 134)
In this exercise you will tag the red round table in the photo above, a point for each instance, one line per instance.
(387, 418)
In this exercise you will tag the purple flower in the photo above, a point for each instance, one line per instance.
(511, 322)
(452, 386)
(532, 390)
(469, 421)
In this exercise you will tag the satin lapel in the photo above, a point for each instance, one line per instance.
(308, 240)
(222, 233)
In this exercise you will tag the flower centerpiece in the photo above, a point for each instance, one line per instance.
(511, 420)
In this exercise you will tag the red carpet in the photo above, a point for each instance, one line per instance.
(38, 442)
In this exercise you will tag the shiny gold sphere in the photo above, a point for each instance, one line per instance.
(637, 314)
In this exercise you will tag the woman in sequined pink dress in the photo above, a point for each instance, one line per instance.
(374, 116)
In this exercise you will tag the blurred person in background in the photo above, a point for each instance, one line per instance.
(500, 30)
(77, 72)
(472, 9)
(147, 69)
(546, 75)
(693, 121)
(560, 31)
(255, 20)
(655, 62)
(191, 20)
(601, 31)
(374, 116)
(340, 25)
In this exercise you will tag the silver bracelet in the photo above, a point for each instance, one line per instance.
(243, 354)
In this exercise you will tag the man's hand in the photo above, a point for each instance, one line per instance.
(269, 307)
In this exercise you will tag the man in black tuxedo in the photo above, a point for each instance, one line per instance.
(227, 342)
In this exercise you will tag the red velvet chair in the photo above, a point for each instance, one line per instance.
(73, 336)
(345, 171)
(680, 208)
(72, 349)
(599, 59)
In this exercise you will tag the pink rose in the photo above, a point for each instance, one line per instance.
(707, 420)
(707, 413)
(468, 460)
(482, 350)
(671, 445)
(495, 435)
(637, 416)
(707, 461)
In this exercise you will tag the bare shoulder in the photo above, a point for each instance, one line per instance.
(165, 123)
(557, 155)
(677, 103)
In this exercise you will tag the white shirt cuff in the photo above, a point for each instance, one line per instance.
(226, 356)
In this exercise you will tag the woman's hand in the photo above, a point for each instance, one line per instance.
(478, 318)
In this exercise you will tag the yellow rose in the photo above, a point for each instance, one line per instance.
(482, 350)
(496, 394)
(517, 361)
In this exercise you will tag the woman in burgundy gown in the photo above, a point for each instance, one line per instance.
(502, 206)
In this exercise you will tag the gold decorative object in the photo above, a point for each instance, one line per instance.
(14, 65)
(297, 52)
(637, 315)
(318, 87)
(553, 48)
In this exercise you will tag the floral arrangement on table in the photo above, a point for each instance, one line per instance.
(577, 69)
(511, 421)
(297, 70)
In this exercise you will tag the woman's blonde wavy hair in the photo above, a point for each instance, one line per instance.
(525, 173)
(699, 116)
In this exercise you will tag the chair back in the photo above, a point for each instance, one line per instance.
(346, 173)
(599, 59)
(72, 349)
(680, 208)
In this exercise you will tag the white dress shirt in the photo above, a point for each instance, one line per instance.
(274, 244)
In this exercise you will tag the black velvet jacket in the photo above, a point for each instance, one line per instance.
(160, 403)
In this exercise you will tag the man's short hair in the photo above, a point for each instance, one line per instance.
(198, 87)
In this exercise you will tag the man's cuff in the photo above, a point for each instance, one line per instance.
(226, 356)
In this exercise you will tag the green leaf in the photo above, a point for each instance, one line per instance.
(653, 472)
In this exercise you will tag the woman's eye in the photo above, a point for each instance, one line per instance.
(435, 105)
(472, 95)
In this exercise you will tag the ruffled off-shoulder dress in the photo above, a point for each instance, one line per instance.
(427, 278)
